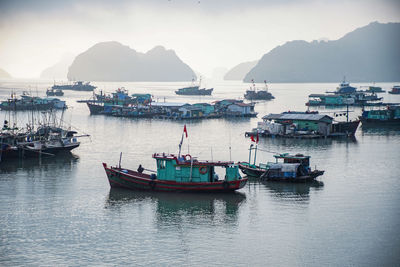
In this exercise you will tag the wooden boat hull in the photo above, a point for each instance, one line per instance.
(299, 179)
(366, 121)
(95, 108)
(119, 177)
(259, 173)
(254, 172)
(198, 92)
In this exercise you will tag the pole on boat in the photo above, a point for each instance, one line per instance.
(120, 157)
(251, 147)
(255, 154)
(191, 168)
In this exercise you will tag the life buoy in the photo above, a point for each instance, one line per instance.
(188, 157)
(225, 185)
(203, 170)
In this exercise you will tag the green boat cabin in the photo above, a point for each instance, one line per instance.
(187, 169)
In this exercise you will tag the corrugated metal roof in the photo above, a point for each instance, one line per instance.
(296, 116)
(167, 104)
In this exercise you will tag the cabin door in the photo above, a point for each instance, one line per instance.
(211, 174)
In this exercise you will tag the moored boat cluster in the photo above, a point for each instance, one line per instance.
(179, 172)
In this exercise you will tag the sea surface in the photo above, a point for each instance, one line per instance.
(61, 211)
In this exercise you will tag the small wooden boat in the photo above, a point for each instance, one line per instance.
(294, 168)
(395, 90)
(178, 173)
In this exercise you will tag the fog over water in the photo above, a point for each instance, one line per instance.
(205, 34)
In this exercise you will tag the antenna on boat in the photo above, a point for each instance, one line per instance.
(212, 159)
(230, 146)
(120, 157)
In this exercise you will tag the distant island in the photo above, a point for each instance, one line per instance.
(367, 54)
(4, 74)
(59, 70)
(239, 71)
(112, 61)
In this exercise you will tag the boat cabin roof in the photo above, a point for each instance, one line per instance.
(298, 116)
(288, 156)
(187, 160)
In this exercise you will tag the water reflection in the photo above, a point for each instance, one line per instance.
(292, 192)
(380, 129)
(175, 207)
(62, 161)
(305, 143)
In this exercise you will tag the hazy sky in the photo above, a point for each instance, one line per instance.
(205, 34)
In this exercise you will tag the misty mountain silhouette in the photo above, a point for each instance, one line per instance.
(239, 71)
(367, 54)
(112, 61)
(58, 70)
(4, 74)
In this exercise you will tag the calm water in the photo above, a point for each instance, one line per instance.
(61, 211)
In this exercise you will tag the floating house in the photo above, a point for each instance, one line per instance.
(189, 111)
(292, 122)
(235, 108)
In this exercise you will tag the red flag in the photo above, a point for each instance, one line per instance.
(257, 139)
(252, 138)
(185, 131)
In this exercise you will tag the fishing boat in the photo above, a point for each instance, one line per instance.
(258, 94)
(76, 86)
(346, 95)
(194, 90)
(178, 173)
(388, 116)
(373, 89)
(28, 102)
(175, 173)
(54, 92)
(287, 167)
(48, 139)
(395, 90)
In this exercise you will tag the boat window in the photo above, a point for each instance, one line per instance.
(161, 164)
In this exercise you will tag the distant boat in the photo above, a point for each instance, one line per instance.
(345, 95)
(28, 102)
(291, 168)
(258, 94)
(345, 88)
(194, 90)
(373, 89)
(388, 116)
(77, 86)
(54, 92)
(395, 90)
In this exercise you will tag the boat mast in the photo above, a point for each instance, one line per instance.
(251, 147)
